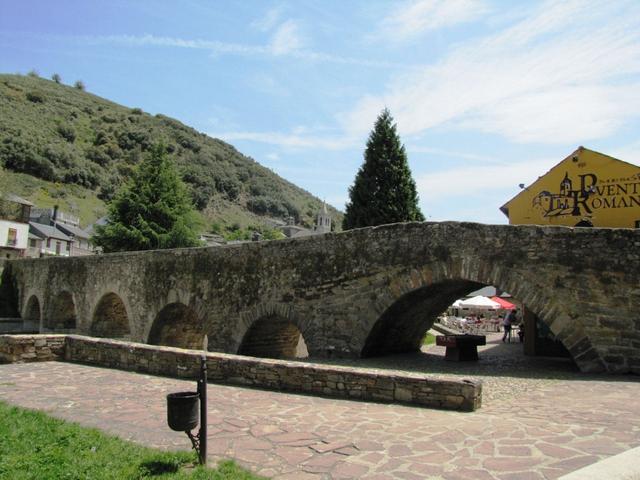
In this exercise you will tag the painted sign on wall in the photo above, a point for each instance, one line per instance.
(585, 189)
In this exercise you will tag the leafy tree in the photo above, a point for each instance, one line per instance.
(383, 190)
(56, 78)
(151, 211)
(79, 84)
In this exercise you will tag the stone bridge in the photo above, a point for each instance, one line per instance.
(360, 293)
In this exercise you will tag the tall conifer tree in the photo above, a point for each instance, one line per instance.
(383, 190)
(151, 211)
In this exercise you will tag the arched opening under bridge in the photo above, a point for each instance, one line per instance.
(273, 336)
(110, 318)
(177, 325)
(32, 315)
(403, 325)
(61, 314)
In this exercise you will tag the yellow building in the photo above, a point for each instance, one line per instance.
(585, 189)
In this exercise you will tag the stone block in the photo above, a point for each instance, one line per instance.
(402, 394)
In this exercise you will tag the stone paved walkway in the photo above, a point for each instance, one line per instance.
(539, 426)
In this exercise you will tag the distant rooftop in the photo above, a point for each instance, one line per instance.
(16, 199)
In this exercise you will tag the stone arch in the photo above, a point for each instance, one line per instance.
(110, 318)
(402, 326)
(177, 325)
(61, 314)
(425, 293)
(32, 314)
(273, 336)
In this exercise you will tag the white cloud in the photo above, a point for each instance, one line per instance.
(411, 149)
(269, 20)
(287, 38)
(468, 181)
(273, 156)
(286, 41)
(565, 114)
(153, 40)
(564, 74)
(411, 19)
(629, 153)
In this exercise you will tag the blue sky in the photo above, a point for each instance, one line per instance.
(486, 94)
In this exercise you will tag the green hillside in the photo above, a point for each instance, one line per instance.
(63, 146)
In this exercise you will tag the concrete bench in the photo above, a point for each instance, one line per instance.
(461, 348)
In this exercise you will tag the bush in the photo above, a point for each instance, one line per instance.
(33, 73)
(264, 205)
(137, 111)
(99, 156)
(108, 189)
(67, 132)
(228, 187)
(130, 139)
(108, 119)
(81, 176)
(199, 199)
(188, 143)
(256, 189)
(56, 78)
(113, 150)
(59, 156)
(124, 170)
(35, 97)
(20, 156)
(100, 138)
(79, 84)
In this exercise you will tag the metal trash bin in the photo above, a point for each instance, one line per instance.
(183, 410)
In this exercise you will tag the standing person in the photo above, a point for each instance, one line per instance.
(509, 319)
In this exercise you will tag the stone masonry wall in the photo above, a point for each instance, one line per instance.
(31, 348)
(299, 377)
(370, 291)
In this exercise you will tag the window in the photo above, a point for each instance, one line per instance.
(637, 223)
(68, 246)
(48, 243)
(32, 243)
(12, 237)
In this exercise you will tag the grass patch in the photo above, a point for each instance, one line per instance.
(36, 446)
(429, 339)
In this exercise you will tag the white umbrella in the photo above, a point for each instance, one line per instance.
(480, 302)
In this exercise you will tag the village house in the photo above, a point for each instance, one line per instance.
(66, 230)
(14, 226)
(46, 240)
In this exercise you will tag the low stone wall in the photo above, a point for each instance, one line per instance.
(299, 377)
(31, 348)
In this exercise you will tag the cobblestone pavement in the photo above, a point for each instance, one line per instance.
(540, 419)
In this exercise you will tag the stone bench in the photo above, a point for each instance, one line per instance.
(461, 347)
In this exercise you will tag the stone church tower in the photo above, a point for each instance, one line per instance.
(323, 222)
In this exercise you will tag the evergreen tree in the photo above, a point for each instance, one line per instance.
(151, 211)
(383, 191)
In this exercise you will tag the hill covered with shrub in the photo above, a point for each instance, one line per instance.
(62, 145)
